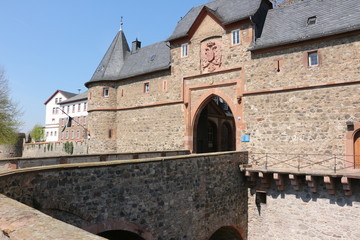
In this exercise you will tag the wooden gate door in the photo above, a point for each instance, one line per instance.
(357, 150)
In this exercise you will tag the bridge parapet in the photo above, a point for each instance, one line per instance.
(178, 197)
(18, 221)
(7, 164)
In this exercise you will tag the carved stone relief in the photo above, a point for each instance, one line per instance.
(210, 55)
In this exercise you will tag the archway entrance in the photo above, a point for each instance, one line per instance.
(357, 150)
(120, 235)
(226, 233)
(214, 127)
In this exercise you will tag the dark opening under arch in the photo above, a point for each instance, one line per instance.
(226, 233)
(214, 129)
(120, 235)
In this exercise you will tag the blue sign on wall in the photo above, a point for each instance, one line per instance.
(245, 138)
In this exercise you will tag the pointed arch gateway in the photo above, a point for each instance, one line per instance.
(214, 127)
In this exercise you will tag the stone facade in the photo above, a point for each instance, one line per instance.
(291, 214)
(275, 97)
(49, 149)
(169, 198)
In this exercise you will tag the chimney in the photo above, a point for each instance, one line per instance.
(135, 46)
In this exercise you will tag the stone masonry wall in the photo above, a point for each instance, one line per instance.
(302, 122)
(184, 197)
(339, 61)
(299, 215)
(55, 149)
(151, 129)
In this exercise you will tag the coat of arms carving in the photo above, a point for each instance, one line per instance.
(210, 56)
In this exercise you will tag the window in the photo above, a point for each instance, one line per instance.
(68, 109)
(51, 133)
(67, 134)
(63, 109)
(79, 107)
(55, 133)
(313, 58)
(85, 106)
(73, 108)
(53, 110)
(56, 110)
(110, 133)
(260, 198)
(78, 134)
(184, 50)
(60, 99)
(56, 100)
(105, 92)
(311, 20)
(72, 134)
(165, 87)
(146, 87)
(47, 134)
(235, 35)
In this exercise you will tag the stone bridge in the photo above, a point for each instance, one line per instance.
(165, 198)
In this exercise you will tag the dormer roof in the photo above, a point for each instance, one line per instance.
(308, 20)
(227, 11)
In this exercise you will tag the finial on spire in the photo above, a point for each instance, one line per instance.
(121, 23)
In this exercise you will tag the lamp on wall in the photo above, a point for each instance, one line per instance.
(350, 125)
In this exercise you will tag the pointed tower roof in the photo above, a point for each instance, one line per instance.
(114, 59)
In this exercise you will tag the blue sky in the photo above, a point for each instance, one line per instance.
(47, 45)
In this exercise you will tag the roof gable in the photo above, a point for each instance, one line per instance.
(205, 12)
(64, 93)
(227, 11)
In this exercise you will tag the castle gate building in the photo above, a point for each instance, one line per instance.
(235, 75)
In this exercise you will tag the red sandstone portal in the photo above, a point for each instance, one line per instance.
(214, 127)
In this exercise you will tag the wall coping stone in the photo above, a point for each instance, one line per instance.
(116, 162)
(18, 221)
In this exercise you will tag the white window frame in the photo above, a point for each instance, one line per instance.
(184, 50)
(105, 92)
(147, 87)
(235, 37)
(311, 63)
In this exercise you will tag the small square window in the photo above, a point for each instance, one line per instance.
(311, 20)
(235, 35)
(313, 58)
(146, 87)
(106, 92)
(184, 50)
(260, 198)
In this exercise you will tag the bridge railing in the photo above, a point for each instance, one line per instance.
(303, 161)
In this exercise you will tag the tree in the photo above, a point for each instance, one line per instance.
(37, 133)
(8, 113)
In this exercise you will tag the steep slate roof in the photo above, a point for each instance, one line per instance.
(113, 60)
(119, 63)
(228, 11)
(289, 24)
(64, 93)
(79, 97)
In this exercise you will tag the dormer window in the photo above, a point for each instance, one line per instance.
(311, 20)
(184, 50)
(235, 36)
